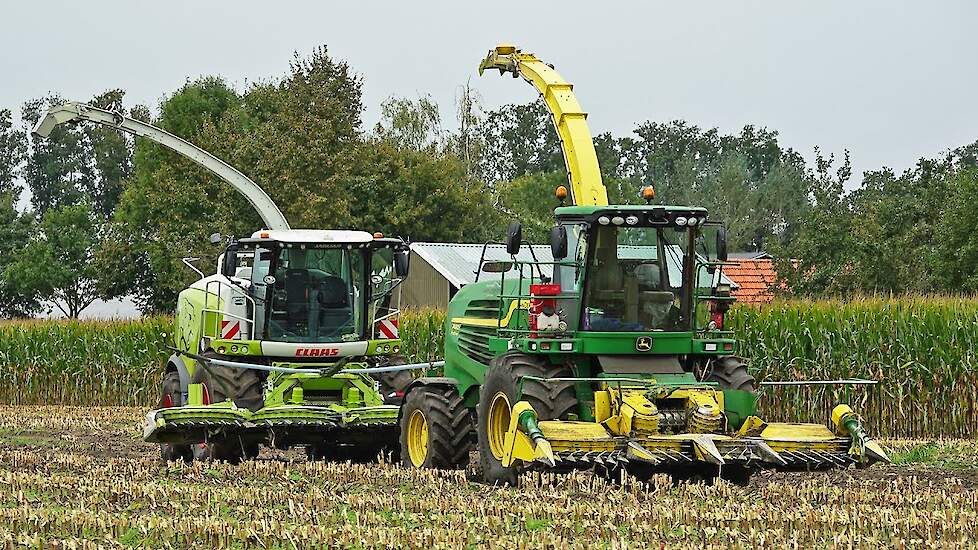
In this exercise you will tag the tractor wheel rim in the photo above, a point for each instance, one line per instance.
(497, 424)
(417, 438)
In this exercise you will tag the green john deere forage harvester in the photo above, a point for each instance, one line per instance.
(611, 355)
(293, 342)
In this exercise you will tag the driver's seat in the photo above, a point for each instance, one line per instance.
(333, 299)
(296, 295)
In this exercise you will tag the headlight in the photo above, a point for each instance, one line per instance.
(234, 349)
(681, 221)
(631, 220)
(603, 220)
(618, 220)
(692, 221)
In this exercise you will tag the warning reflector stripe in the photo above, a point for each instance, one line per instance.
(388, 329)
(230, 329)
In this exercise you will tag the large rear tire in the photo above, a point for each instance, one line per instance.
(244, 388)
(436, 429)
(393, 384)
(730, 373)
(172, 396)
(551, 401)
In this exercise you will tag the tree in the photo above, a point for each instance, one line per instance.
(468, 144)
(110, 152)
(57, 265)
(298, 137)
(13, 148)
(409, 124)
(419, 195)
(519, 140)
(825, 258)
(58, 167)
(15, 227)
(77, 163)
(169, 204)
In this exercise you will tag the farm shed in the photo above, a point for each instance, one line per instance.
(438, 270)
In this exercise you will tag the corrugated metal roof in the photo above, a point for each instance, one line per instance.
(458, 262)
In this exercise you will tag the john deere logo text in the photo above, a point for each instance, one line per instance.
(643, 343)
(316, 352)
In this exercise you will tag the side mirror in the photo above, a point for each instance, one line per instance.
(558, 242)
(514, 238)
(215, 238)
(229, 261)
(496, 267)
(402, 262)
(722, 244)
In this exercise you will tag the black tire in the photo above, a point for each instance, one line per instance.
(730, 373)
(393, 384)
(232, 450)
(450, 428)
(243, 386)
(550, 401)
(172, 396)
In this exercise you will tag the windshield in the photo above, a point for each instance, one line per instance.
(315, 296)
(634, 280)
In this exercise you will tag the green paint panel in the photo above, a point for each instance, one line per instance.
(738, 405)
(663, 343)
(383, 347)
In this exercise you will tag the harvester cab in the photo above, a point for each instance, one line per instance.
(293, 341)
(279, 347)
(613, 354)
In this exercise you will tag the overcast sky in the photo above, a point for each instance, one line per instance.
(889, 80)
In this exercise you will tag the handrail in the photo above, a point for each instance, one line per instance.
(206, 309)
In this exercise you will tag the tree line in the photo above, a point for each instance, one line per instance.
(109, 216)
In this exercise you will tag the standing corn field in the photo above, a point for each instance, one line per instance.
(82, 362)
(920, 348)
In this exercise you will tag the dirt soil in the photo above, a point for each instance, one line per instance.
(118, 433)
(83, 478)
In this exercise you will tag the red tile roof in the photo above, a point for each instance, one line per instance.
(755, 279)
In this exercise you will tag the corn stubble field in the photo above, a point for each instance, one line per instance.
(75, 474)
(75, 477)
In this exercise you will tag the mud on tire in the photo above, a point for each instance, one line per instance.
(730, 373)
(242, 386)
(171, 395)
(551, 401)
(450, 427)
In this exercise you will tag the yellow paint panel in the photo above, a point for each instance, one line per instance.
(473, 321)
(783, 431)
(602, 406)
(494, 323)
(569, 118)
(559, 430)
